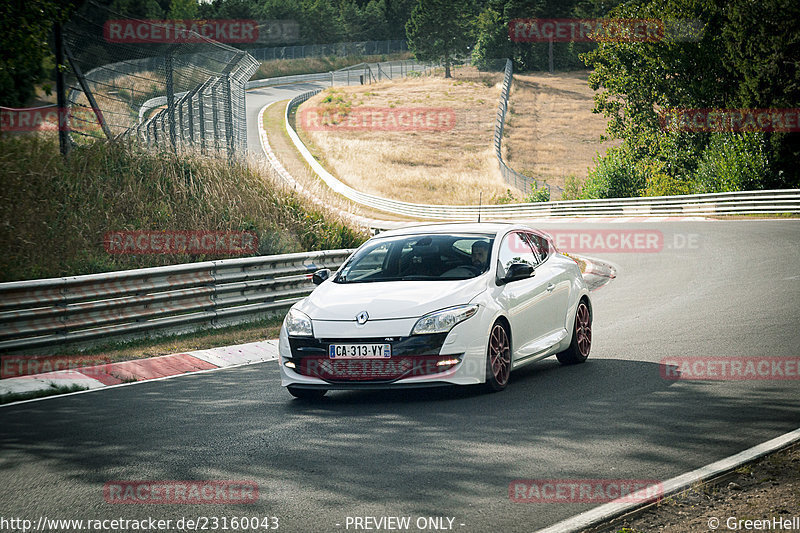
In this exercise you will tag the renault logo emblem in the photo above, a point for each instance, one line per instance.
(362, 317)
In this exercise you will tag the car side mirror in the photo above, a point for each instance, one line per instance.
(321, 275)
(516, 272)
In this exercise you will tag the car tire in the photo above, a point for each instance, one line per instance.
(306, 394)
(581, 343)
(498, 359)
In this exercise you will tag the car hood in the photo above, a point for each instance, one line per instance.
(388, 300)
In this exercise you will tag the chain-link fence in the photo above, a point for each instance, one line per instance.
(521, 182)
(360, 74)
(187, 92)
(363, 48)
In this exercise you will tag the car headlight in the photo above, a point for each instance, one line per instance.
(444, 320)
(298, 324)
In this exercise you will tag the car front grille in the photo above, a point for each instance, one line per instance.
(415, 355)
(343, 370)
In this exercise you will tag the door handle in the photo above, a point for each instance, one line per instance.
(550, 287)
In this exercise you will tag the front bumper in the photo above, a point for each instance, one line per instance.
(417, 360)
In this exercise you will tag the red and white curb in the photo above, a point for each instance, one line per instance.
(140, 370)
(609, 511)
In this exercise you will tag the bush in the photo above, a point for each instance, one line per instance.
(507, 198)
(541, 194)
(572, 188)
(661, 184)
(733, 162)
(615, 175)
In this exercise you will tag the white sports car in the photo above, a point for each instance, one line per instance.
(438, 304)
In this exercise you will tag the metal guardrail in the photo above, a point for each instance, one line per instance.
(359, 48)
(57, 311)
(726, 203)
(363, 73)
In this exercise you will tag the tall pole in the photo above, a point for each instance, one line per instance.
(61, 91)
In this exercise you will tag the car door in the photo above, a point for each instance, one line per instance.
(525, 301)
(558, 285)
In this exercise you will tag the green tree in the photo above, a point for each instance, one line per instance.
(746, 55)
(493, 45)
(182, 10)
(439, 30)
(25, 33)
(319, 22)
(397, 13)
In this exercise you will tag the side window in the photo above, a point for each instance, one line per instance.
(540, 245)
(514, 249)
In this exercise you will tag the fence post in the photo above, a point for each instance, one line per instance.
(214, 115)
(190, 117)
(181, 137)
(61, 95)
(229, 116)
(201, 120)
(170, 98)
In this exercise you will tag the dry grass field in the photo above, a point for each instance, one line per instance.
(451, 166)
(551, 133)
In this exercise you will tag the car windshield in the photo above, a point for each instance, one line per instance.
(431, 257)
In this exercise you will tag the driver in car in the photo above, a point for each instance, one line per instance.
(480, 255)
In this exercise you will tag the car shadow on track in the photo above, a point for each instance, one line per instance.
(420, 451)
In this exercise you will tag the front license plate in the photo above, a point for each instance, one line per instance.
(360, 351)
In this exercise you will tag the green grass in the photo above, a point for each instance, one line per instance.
(114, 351)
(52, 391)
(54, 213)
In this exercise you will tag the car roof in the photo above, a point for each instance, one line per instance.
(494, 228)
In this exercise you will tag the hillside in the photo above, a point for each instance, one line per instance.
(551, 133)
(54, 213)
